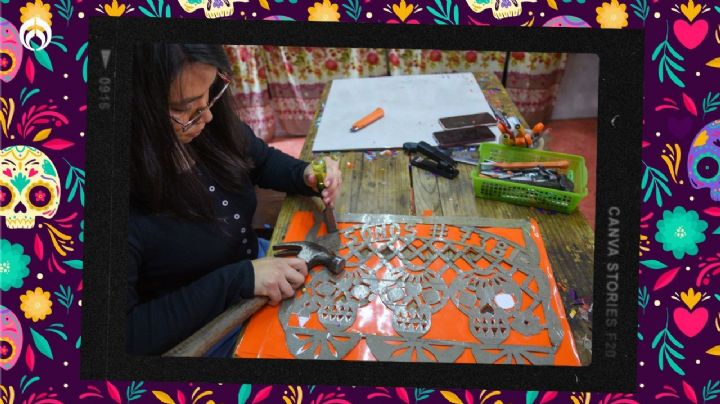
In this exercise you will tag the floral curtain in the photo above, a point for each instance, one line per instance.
(426, 61)
(297, 77)
(532, 81)
(278, 88)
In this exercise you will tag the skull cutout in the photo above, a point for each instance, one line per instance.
(704, 160)
(413, 304)
(338, 301)
(490, 303)
(29, 186)
(212, 8)
(500, 8)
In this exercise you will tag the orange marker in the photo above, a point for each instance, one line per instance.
(368, 119)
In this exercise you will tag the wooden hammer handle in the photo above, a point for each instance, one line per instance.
(199, 343)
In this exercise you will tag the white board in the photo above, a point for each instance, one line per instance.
(412, 104)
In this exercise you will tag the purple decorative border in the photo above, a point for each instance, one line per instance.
(43, 106)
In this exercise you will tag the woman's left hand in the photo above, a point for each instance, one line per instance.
(333, 181)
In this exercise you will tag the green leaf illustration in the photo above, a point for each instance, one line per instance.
(43, 58)
(654, 181)
(41, 343)
(641, 9)
(442, 14)
(79, 54)
(422, 394)
(711, 390)
(65, 297)
(56, 41)
(24, 384)
(711, 102)
(58, 332)
(134, 391)
(531, 396)
(244, 393)
(643, 297)
(666, 63)
(65, 10)
(75, 264)
(653, 264)
(668, 351)
(75, 183)
(353, 9)
(23, 99)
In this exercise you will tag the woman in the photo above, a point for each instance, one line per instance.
(192, 250)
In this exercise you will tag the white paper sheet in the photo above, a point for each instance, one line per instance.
(412, 104)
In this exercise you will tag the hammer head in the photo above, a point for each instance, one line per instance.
(313, 254)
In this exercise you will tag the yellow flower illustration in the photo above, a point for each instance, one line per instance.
(36, 10)
(115, 10)
(403, 10)
(36, 304)
(612, 15)
(324, 12)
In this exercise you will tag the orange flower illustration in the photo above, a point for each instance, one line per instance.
(36, 10)
(612, 15)
(36, 304)
(324, 12)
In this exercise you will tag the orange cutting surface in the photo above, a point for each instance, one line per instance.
(264, 336)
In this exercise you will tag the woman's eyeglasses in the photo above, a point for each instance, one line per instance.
(196, 116)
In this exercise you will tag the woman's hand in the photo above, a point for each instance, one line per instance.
(278, 278)
(333, 181)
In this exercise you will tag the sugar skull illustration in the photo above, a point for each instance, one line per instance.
(212, 8)
(704, 160)
(500, 8)
(11, 51)
(11, 338)
(29, 186)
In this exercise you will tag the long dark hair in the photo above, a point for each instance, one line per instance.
(158, 181)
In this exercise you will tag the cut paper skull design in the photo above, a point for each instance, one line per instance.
(29, 187)
(704, 160)
(399, 275)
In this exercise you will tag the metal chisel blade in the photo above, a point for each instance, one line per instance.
(330, 220)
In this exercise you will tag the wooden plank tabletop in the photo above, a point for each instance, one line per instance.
(382, 183)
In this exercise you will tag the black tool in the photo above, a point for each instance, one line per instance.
(435, 161)
(539, 176)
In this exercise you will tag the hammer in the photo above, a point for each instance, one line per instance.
(208, 336)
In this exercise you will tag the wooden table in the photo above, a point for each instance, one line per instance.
(383, 184)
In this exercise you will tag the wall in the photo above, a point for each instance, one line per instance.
(578, 93)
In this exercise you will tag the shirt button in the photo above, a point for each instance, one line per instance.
(224, 203)
(243, 230)
(212, 188)
(244, 241)
(249, 251)
(236, 216)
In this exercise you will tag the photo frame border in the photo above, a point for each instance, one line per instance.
(617, 233)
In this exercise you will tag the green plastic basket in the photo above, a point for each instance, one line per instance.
(530, 195)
